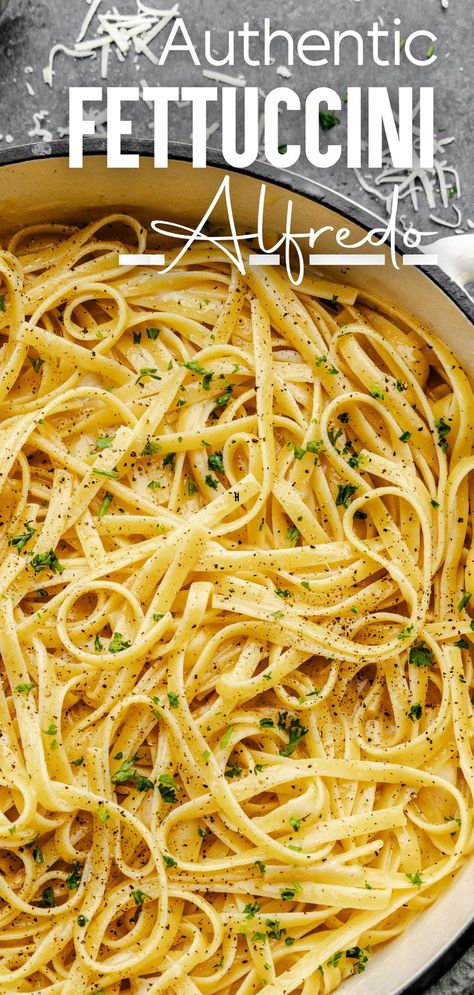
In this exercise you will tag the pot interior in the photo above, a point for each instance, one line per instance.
(46, 190)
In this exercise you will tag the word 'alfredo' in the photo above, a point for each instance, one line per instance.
(386, 127)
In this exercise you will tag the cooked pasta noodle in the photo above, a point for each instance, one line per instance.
(235, 622)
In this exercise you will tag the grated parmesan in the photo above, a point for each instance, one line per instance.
(223, 78)
(48, 71)
(88, 18)
(114, 32)
(438, 186)
(211, 130)
(39, 130)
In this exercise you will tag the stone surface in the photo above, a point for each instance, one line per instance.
(30, 28)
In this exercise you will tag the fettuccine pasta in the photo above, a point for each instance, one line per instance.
(235, 627)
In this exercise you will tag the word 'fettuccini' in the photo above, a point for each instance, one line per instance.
(235, 623)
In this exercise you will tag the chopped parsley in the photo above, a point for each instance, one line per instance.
(148, 371)
(267, 723)
(443, 430)
(232, 770)
(48, 560)
(215, 462)
(169, 460)
(48, 898)
(72, 882)
(150, 448)
(152, 333)
(420, 655)
(328, 120)
(224, 398)
(293, 535)
(282, 592)
(360, 955)
(298, 451)
(25, 688)
(465, 598)
(251, 910)
(105, 442)
(36, 363)
(334, 436)
(344, 495)
(404, 436)
(117, 644)
(294, 730)
(314, 445)
(105, 505)
(295, 823)
(167, 788)
(127, 772)
(404, 633)
(415, 879)
(112, 474)
(211, 481)
(415, 712)
(288, 894)
(377, 392)
(139, 896)
(173, 699)
(274, 930)
(169, 861)
(226, 738)
(194, 367)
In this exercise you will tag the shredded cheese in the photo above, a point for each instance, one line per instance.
(223, 78)
(114, 32)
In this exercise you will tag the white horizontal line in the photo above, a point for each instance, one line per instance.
(145, 259)
(264, 259)
(422, 260)
(347, 259)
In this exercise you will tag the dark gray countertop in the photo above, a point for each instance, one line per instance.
(31, 28)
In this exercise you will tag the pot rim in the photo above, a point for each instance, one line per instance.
(294, 182)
